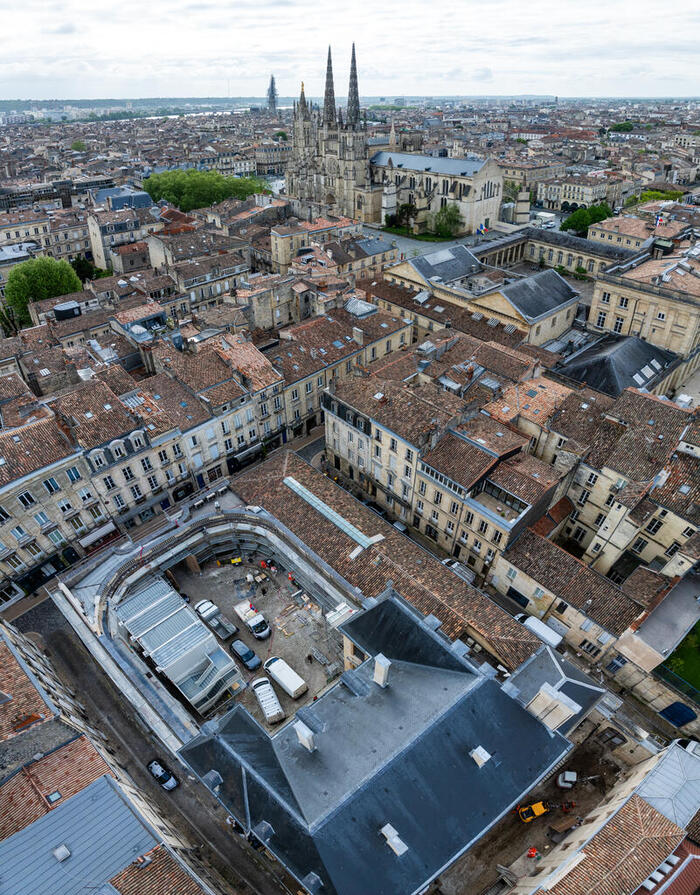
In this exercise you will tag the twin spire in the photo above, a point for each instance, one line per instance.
(329, 111)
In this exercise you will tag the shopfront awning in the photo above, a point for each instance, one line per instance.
(97, 533)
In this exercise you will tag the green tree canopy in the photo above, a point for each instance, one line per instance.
(622, 127)
(448, 221)
(192, 189)
(78, 146)
(581, 219)
(281, 135)
(35, 280)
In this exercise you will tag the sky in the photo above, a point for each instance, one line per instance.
(83, 49)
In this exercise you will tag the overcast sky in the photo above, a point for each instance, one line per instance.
(92, 48)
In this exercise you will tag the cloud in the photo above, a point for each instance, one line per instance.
(66, 28)
(483, 74)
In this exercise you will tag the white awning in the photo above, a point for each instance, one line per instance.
(96, 534)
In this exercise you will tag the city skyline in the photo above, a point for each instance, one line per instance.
(207, 48)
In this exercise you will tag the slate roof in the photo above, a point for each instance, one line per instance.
(398, 755)
(610, 365)
(451, 167)
(540, 295)
(547, 666)
(99, 827)
(449, 264)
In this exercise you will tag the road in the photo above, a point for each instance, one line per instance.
(191, 809)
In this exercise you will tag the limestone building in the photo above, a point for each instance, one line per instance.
(333, 169)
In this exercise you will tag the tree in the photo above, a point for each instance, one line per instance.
(78, 146)
(192, 189)
(281, 135)
(86, 270)
(404, 213)
(448, 221)
(35, 280)
(622, 127)
(581, 219)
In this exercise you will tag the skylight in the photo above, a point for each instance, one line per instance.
(332, 515)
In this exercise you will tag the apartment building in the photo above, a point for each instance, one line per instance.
(568, 194)
(208, 280)
(272, 158)
(287, 239)
(25, 225)
(655, 298)
(113, 228)
(632, 232)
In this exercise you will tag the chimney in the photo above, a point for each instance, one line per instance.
(393, 840)
(381, 670)
(358, 335)
(480, 755)
(305, 736)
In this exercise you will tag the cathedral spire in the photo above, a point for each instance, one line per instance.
(353, 116)
(329, 98)
(303, 107)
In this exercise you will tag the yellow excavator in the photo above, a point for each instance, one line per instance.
(528, 813)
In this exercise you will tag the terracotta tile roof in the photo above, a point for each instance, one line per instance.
(26, 702)
(571, 580)
(554, 516)
(30, 448)
(578, 417)
(492, 435)
(680, 493)
(459, 460)
(174, 400)
(525, 476)
(623, 853)
(536, 400)
(416, 575)
(646, 586)
(94, 414)
(117, 379)
(67, 770)
(410, 410)
(164, 875)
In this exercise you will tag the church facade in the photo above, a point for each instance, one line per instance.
(333, 169)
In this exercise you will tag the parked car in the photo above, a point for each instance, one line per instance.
(462, 571)
(283, 674)
(567, 779)
(268, 700)
(246, 655)
(215, 619)
(162, 774)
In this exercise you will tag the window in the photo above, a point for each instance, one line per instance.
(592, 479)
(65, 506)
(599, 519)
(437, 498)
(4, 515)
(137, 442)
(609, 499)
(18, 533)
(639, 545)
(579, 534)
(590, 648)
(14, 562)
(469, 518)
(26, 498)
(85, 494)
(128, 474)
(393, 444)
(146, 464)
(73, 474)
(619, 323)
(119, 502)
(622, 302)
(512, 574)
(177, 450)
(687, 532)
(117, 452)
(95, 512)
(596, 547)
(421, 488)
(77, 523)
(409, 455)
(56, 538)
(602, 316)
(194, 441)
(617, 663)
(41, 518)
(673, 549)
(583, 497)
(454, 508)
(561, 607)
(483, 527)
(109, 482)
(136, 491)
(661, 316)
(163, 455)
(476, 546)
(419, 506)
(152, 482)
(497, 537)
(537, 593)
(654, 526)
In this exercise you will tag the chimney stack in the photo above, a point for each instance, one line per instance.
(305, 736)
(381, 670)
(480, 755)
(393, 840)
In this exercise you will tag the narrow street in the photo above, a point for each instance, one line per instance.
(190, 808)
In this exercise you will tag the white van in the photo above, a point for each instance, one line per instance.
(268, 701)
(286, 677)
(540, 629)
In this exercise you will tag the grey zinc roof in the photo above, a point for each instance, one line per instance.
(448, 264)
(99, 827)
(611, 364)
(452, 167)
(542, 294)
(399, 756)
(546, 666)
(673, 785)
